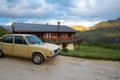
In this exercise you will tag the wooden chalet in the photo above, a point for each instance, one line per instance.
(58, 34)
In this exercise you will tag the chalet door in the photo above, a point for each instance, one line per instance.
(40, 35)
(69, 35)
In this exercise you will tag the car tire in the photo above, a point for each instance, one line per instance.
(37, 58)
(1, 54)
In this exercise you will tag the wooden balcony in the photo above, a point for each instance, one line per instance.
(63, 41)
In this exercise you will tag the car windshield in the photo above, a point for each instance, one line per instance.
(33, 40)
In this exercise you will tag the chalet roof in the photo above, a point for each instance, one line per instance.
(27, 27)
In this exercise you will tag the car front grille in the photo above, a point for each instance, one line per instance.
(56, 51)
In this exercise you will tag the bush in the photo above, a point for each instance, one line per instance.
(106, 46)
(117, 46)
(110, 46)
(84, 43)
(98, 44)
(65, 50)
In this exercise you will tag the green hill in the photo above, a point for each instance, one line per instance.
(3, 31)
(107, 24)
(107, 32)
(79, 28)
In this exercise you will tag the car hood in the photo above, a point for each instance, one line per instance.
(48, 46)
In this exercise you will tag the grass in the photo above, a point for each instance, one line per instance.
(93, 53)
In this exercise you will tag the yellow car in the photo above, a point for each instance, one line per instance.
(27, 46)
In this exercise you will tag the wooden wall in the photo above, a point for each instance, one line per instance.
(54, 35)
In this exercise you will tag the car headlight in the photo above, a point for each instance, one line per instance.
(52, 52)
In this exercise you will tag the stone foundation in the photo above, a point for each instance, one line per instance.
(61, 46)
(70, 46)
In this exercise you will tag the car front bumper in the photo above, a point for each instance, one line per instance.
(54, 55)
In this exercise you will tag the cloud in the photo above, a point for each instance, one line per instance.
(64, 22)
(83, 7)
(96, 8)
(69, 12)
(23, 8)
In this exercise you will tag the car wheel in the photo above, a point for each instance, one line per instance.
(1, 54)
(37, 58)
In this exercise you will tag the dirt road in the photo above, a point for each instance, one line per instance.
(59, 68)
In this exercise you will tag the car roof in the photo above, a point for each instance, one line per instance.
(19, 34)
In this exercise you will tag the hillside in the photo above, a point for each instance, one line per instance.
(104, 32)
(106, 24)
(79, 28)
(3, 31)
(6, 27)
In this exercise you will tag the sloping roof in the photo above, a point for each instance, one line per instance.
(27, 27)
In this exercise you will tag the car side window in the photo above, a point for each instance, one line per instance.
(20, 40)
(7, 39)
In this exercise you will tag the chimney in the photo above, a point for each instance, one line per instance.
(47, 24)
(58, 24)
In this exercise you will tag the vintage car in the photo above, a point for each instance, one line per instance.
(27, 46)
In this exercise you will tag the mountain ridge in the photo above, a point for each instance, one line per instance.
(6, 27)
(79, 28)
(106, 32)
(105, 24)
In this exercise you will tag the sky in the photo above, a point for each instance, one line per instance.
(68, 12)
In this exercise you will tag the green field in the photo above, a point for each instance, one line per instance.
(93, 53)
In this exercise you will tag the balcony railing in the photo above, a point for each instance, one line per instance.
(68, 40)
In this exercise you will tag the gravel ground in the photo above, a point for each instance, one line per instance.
(59, 68)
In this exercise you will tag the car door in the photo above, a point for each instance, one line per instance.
(7, 44)
(20, 47)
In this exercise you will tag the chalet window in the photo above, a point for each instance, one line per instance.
(54, 34)
(48, 35)
(59, 35)
(69, 34)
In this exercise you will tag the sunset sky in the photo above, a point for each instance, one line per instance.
(68, 12)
